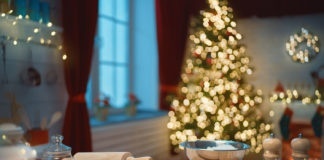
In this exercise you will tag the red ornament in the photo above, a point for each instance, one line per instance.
(195, 54)
(209, 61)
(106, 101)
(133, 98)
(288, 112)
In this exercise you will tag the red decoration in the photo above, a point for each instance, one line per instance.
(78, 98)
(209, 61)
(279, 87)
(229, 33)
(288, 112)
(320, 110)
(102, 102)
(133, 98)
(106, 101)
(195, 54)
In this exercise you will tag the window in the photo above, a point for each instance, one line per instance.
(111, 62)
(125, 59)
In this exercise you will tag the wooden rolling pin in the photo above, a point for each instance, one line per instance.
(139, 158)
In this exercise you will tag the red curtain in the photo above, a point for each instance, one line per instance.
(172, 18)
(79, 22)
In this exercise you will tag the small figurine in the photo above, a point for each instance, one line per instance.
(300, 147)
(272, 148)
(132, 105)
(101, 108)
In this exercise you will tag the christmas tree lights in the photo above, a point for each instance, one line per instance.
(214, 101)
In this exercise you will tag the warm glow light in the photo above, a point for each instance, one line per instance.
(49, 24)
(29, 39)
(42, 41)
(60, 47)
(36, 30)
(64, 57)
(53, 33)
(292, 95)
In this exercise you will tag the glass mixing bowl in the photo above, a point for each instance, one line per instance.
(214, 149)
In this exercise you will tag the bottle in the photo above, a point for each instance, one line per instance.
(56, 150)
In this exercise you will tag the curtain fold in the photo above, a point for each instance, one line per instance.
(79, 21)
(172, 19)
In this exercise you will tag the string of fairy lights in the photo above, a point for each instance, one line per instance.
(290, 96)
(42, 34)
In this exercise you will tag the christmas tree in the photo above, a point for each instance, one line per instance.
(214, 100)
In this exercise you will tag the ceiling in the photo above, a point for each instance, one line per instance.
(275, 8)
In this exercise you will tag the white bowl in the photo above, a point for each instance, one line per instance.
(214, 149)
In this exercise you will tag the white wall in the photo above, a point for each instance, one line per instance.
(265, 40)
(38, 101)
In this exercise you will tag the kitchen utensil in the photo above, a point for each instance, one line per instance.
(102, 155)
(43, 124)
(56, 117)
(272, 148)
(15, 108)
(25, 119)
(139, 158)
(31, 75)
(300, 147)
(214, 149)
